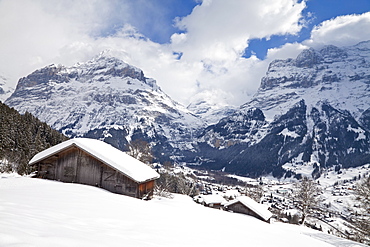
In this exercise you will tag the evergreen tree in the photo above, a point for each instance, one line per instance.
(21, 137)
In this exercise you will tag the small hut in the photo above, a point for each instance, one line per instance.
(94, 162)
(246, 205)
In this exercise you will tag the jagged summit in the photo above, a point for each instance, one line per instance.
(106, 98)
(338, 75)
(101, 68)
(105, 64)
(314, 114)
(310, 113)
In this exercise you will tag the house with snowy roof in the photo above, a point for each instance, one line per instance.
(94, 162)
(246, 205)
(213, 200)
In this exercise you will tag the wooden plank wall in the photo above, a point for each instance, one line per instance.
(66, 166)
(76, 166)
(88, 169)
(146, 189)
(241, 208)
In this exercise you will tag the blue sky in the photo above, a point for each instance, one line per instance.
(316, 12)
(162, 13)
(195, 49)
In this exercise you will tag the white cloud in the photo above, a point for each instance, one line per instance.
(40, 32)
(341, 31)
(289, 50)
(220, 30)
(37, 33)
(217, 33)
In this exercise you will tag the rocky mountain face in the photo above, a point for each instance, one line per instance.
(110, 100)
(309, 113)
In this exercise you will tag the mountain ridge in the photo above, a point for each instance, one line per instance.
(312, 111)
(304, 102)
(105, 98)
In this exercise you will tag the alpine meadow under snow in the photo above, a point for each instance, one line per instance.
(37, 212)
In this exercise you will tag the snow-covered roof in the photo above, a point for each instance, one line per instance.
(107, 154)
(256, 207)
(214, 198)
(232, 193)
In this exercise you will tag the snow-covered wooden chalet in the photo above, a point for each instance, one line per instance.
(213, 201)
(246, 205)
(94, 162)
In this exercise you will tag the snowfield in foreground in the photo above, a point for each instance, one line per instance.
(35, 212)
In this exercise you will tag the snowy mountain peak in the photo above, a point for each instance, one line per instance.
(311, 111)
(211, 105)
(106, 64)
(101, 68)
(332, 53)
(316, 114)
(364, 45)
(105, 98)
(338, 75)
(5, 89)
(308, 58)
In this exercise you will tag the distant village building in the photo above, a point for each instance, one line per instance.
(94, 162)
(246, 205)
(212, 201)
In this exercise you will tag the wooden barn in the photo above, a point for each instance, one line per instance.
(246, 205)
(93, 162)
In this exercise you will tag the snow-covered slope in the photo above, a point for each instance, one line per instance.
(37, 212)
(312, 111)
(5, 89)
(338, 76)
(210, 106)
(108, 99)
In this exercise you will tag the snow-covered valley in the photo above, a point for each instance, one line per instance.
(37, 212)
(309, 118)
